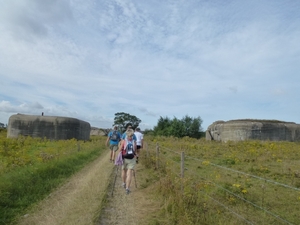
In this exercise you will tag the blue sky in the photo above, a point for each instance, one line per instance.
(220, 60)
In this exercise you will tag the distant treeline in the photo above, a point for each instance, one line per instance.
(185, 127)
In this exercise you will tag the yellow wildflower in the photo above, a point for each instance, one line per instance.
(205, 163)
(244, 191)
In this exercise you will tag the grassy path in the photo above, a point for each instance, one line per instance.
(78, 201)
(139, 207)
(81, 200)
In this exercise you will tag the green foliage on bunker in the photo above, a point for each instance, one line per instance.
(23, 185)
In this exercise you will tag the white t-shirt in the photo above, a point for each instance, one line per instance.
(139, 137)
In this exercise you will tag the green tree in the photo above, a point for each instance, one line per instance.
(163, 127)
(195, 129)
(122, 120)
(187, 126)
(178, 128)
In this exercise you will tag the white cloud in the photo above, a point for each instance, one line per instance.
(92, 59)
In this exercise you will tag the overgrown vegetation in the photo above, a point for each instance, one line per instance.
(250, 182)
(30, 168)
(187, 126)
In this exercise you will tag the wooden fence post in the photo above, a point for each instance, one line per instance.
(157, 156)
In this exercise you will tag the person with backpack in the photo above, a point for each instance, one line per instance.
(128, 149)
(113, 138)
(124, 134)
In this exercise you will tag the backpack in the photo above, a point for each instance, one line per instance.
(114, 136)
(128, 150)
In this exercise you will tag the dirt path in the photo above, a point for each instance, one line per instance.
(135, 208)
(79, 201)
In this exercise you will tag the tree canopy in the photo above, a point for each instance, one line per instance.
(122, 120)
(187, 126)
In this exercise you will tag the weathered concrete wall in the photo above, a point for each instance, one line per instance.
(238, 130)
(51, 127)
(99, 132)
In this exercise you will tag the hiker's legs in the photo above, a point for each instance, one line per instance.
(128, 178)
(113, 149)
(130, 164)
(138, 147)
(124, 174)
(111, 154)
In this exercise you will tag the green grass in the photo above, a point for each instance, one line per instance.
(31, 168)
(26, 183)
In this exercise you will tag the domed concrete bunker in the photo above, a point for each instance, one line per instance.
(50, 127)
(251, 129)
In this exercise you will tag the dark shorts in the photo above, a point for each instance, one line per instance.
(138, 147)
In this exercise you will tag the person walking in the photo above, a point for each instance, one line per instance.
(113, 139)
(139, 142)
(124, 134)
(128, 149)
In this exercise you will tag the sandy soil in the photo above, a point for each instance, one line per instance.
(81, 200)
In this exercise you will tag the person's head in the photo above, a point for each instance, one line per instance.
(115, 127)
(129, 133)
(137, 129)
(129, 126)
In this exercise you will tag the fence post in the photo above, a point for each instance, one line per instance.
(157, 156)
(182, 169)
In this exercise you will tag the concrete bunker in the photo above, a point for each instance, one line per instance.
(251, 129)
(50, 127)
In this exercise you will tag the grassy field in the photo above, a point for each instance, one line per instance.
(250, 182)
(30, 168)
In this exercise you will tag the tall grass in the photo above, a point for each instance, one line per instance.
(227, 183)
(32, 167)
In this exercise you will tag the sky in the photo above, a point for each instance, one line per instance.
(89, 59)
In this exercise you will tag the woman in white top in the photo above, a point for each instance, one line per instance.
(139, 142)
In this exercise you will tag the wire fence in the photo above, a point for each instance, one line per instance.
(249, 198)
